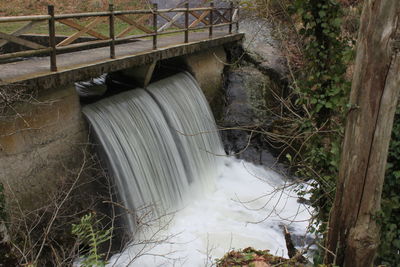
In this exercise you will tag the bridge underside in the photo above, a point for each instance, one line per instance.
(82, 65)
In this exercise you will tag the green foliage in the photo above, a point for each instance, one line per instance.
(88, 233)
(323, 92)
(389, 251)
(324, 88)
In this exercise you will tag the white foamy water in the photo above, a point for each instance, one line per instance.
(246, 209)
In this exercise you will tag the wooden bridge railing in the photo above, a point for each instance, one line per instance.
(146, 22)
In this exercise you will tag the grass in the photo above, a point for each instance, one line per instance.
(39, 7)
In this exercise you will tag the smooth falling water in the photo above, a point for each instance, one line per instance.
(188, 114)
(161, 144)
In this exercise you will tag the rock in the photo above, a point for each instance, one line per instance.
(249, 98)
(261, 45)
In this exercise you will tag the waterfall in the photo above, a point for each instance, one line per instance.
(163, 149)
(161, 144)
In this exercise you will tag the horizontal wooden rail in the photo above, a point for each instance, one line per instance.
(89, 44)
(24, 18)
(133, 12)
(222, 25)
(201, 18)
(171, 32)
(25, 53)
(82, 15)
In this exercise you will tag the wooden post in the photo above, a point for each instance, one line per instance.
(230, 17)
(52, 38)
(210, 34)
(187, 23)
(112, 30)
(353, 233)
(155, 8)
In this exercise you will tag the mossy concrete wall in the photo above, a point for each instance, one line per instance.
(40, 143)
(208, 69)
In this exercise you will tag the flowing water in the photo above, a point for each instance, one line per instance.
(164, 151)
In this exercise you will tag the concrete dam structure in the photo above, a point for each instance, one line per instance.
(43, 138)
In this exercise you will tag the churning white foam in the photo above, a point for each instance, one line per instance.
(247, 208)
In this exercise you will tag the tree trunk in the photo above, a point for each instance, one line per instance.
(353, 234)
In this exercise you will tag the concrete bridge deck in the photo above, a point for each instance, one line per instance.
(89, 63)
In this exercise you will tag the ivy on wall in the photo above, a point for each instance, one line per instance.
(323, 91)
(389, 251)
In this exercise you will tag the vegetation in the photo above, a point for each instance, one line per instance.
(316, 113)
(320, 65)
(252, 258)
(312, 130)
(43, 237)
(353, 230)
(389, 251)
(323, 91)
(91, 235)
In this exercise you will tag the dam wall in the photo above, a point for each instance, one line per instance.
(43, 139)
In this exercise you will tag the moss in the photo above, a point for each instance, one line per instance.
(250, 256)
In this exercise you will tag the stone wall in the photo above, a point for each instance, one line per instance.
(40, 143)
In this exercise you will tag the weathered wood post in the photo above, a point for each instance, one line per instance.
(155, 8)
(112, 30)
(52, 38)
(210, 34)
(187, 23)
(353, 233)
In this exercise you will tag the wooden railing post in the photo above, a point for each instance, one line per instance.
(52, 38)
(112, 30)
(230, 17)
(187, 23)
(211, 19)
(155, 8)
